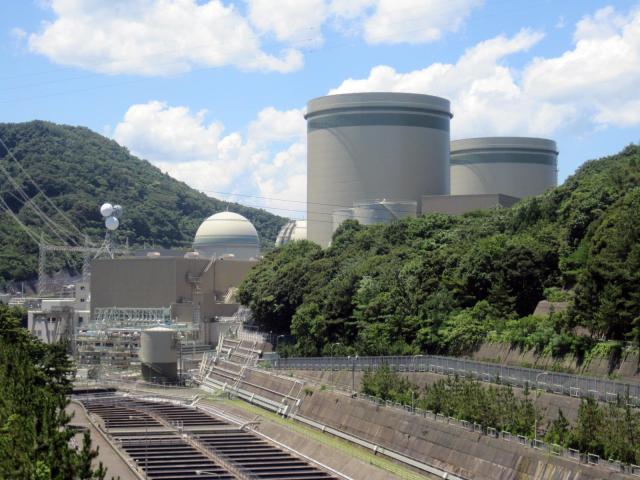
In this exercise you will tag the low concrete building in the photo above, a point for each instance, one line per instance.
(459, 204)
(55, 319)
(195, 289)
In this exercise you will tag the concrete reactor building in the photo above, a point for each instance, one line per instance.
(515, 166)
(395, 148)
(227, 233)
(364, 146)
(293, 230)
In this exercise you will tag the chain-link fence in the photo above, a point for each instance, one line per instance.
(556, 382)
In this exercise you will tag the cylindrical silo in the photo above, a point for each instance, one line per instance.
(373, 145)
(158, 355)
(384, 211)
(516, 166)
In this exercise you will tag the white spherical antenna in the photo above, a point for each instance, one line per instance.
(117, 211)
(106, 209)
(111, 223)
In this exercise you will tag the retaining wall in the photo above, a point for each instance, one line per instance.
(627, 370)
(465, 453)
(548, 402)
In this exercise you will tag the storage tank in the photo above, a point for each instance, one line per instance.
(515, 166)
(383, 211)
(293, 230)
(373, 145)
(159, 355)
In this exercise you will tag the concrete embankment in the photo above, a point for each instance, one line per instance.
(440, 444)
(548, 403)
(468, 454)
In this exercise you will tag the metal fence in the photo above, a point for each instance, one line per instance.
(550, 448)
(560, 383)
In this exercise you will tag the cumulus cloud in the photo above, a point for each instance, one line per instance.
(593, 83)
(416, 21)
(297, 22)
(269, 160)
(163, 37)
(154, 37)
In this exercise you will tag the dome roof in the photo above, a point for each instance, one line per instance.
(293, 230)
(227, 233)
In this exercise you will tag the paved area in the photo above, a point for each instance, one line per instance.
(107, 454)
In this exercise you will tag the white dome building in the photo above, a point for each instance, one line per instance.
(227, 233)
(293, 230)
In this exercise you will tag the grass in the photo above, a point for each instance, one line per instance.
(330, 441)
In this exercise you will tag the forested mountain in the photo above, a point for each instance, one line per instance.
(79, 170)
(442, 283)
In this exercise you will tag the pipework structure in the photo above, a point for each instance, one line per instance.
(373, 145)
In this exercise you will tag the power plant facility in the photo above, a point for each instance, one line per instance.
(514, 166)
(372, 157)
(365, 146)
(293, 230)
(380, 156)
(227, 233)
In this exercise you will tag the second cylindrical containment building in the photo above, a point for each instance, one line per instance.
(373, 145)
(516, 166)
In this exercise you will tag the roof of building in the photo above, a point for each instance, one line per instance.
(225, 229)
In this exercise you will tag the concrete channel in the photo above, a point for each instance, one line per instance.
(176, 441)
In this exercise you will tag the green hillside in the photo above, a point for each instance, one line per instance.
(79, 170)
(446, 284)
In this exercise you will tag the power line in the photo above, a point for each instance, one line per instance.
(18, 221)
(46, 198)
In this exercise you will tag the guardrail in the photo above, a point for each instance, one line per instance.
(560, 383)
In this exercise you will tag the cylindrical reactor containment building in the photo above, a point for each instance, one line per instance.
(158, 355)
(516, 166)
(373, 145)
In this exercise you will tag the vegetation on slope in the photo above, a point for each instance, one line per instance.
(79, 170)
(34, 433)
(442, 283)
(610, 431)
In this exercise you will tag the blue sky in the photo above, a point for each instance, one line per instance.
(213, 92)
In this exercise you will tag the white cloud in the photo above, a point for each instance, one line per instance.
(349, 9)
(187, 147)
(154, 37)
(164, 37)
(601, 73)
(592, 84)
(272, 125)
(297, 22)
(416, 21)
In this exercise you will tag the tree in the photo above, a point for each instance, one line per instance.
(34, 431)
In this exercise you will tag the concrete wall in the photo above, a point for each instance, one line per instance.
(459, 204)
(628, 369)
(452, 448)
(162, 282)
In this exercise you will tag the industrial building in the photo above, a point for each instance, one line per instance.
(229, 234)
(141, 304)
(365, 146)
(293, 230)
(380, 156)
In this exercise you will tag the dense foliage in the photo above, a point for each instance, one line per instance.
(610, 431)
(34, 433)
(442, 283)
(79, 169)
